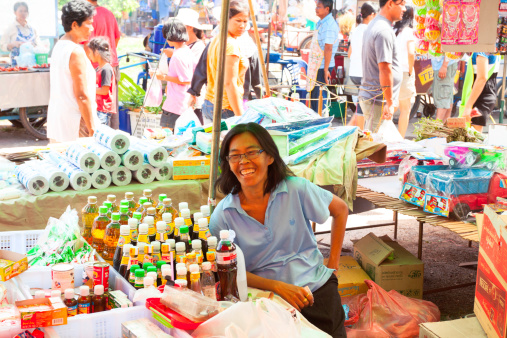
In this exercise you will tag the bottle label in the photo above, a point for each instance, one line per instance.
(143, 239)
(71, 311)
(133, 261)
(196, 227)
(204, 234)
(121, 241)
(226, 257)
(134, 234)
(211, 256)
(199, 257)
(124, 260)
(152, 231)
(165, 257)
(84, 308)
(188, 222)
(132, 278)
(160, 237)
(209, 292)
(170, 228)
(148, 259)
(181, 259)
(176, 231)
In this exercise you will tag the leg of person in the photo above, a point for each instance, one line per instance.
(327, 313)
(227, 113)
(115, 118)
(407, 92)
(207, 110)
(104, 118)
(168, 119)
(485, 103)
(314, 103)
(372, 112)
(443, 90)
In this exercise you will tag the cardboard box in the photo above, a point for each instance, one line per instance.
(390, 265)
(491, 286)
(460, 328)
(456, 122)
(141, 328)
(191, 168)
(19, 264)
(351, 277)
(56, 315)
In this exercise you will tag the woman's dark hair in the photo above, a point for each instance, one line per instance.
(100, 45)
(175, 31)
(227, 182)
(327, 3)
(359, 19)
(199, 33)
(406, 21)
(367, 10)
(238, 6)
(76, 11)
(20, 4)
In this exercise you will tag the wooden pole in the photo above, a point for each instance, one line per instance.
(269, 46)
(259, 48)
(320, 100)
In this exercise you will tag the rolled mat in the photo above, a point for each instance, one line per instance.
(152, 153)
(132, 159)
(145, 174)
(165, 172)
(109, 160)
(115, 140)
(31, 179)
(57, 179)
(121, 176)
(78, 179)
(101, 179)
(82, 158)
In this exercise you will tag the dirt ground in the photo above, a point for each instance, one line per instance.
(443, 251)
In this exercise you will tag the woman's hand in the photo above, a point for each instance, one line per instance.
(295, 295)
(467, 114)
(159, 75)
(169, 52)
(192, 100)
(15, 44)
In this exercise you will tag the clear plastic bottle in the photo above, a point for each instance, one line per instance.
(178, 223)
(181, 206)
(208, 281)
(147, 193)
(204, 234)
(181, 254)
(109, 206)
(124, 215)
(111, 238)
(166, 274)
(182, 283)
(160, 204)
(168, 219)
(70, 302)
(140, 256)
(153, 276)
(129, 196)
(197, 249)
(140, 208)
(146, 206)
(112, 199)
(122, 240)
(132, 274)
(99, 229)
(84, 302)
(191, 259)
(153, 213)
(181, 273)
(185, 213)
(89, 213)
(206, 212)
(133, 223)
(124, 203)
(211, 254)
(227, 267)
(195, 278)
(139, 279)
(168, 208)
(143, 234)
(195, 229)
(98, 299)
(138, 215)
(161, 232)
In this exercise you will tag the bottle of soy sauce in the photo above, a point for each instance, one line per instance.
(226, 267)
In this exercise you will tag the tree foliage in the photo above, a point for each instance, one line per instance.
(115, 6)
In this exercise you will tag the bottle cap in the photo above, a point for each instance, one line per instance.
(182, 205)
(84, 290)
(39, 294)
(167, 201)
(172, 243)
(133, 223)
(124, 230)
(167, 217)
(108, 204)
(166, 269)
(143, 228)
(147, 265)
(126, 249)
(206, 266)
(194, 268)
(103, 209)
(162, 197)
(147, 192)
(56, 293)
(152, 269)
(98, 289)
(161, 226)
(212, 241)
(148, 249)
(69, 293)
(159, 264)
(156, 247)
(143, 200)
(205, 209)
(197, 216)
(148, 281)
(152, 274)
(182, 283)
(179, 221)
(134, 267)
(124, 209)
(137, 215)
(139, 272)
(180, 246)
(179, 265)
(115, 216)
(185, 213)
(164, 248)
(191, 255)
(124, 203)
(151, 211)
(147, 205)
(134, 251)
(92, 199)
(111, 198)
(181, 271)
(149, 220)
(183, 229)
(129, 195)
(203, 223)
(224, 234)
(196, 244)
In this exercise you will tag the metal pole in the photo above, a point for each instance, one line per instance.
(259, 48)
(219, 94)
(269, 46)
(502, 101)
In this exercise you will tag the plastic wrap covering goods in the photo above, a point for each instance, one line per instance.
(32, 180)
(153, 154)
(82, 158)
(278, 110)
(115, 140)
(58, 180)
(468, 154)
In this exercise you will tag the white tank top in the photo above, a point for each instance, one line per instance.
(63, 111)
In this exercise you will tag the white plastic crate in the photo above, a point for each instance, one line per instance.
(146, 121)
(19, 241)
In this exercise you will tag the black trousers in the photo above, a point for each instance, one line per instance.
(327, 312)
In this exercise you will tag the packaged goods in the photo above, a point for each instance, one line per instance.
(115, 140)
(41, 313)
(82, 158)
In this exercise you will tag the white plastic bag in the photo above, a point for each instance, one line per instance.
(183, 121)
(154, 94)
(163, 65)
(388, 132)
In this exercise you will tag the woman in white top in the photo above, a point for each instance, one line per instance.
(405, 41)
(72, 111)
(368, 13)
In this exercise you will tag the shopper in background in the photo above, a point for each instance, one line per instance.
(382, 74)
(444, 71)
(72, 107)
(270, 210)
(367, 14)
(405, 40)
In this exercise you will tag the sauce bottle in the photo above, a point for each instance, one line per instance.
(153, 213)
(70, 302)
(161, 236)
(147, 194)
(140, 208)
(178, 223)
(181, 254)
(195, 278)
(89, 213)
(111, 238)
(156, 252)
(98, 299)
(124, 203)
(226, 267)
(146, 206)
(133, 260)
(185, 238)
(211, 255)
(204, 234)
(166, 274)
(149, 281)
(182, 283)
(124, 215)
(168, 219)
(196, 248)
(191, 259)
(153, 276)
(148, 258)
(206, 212)
(99, 229)
(84, 301)
(139, 283)
(112, 200)
(152, 231)
(137, 215)
(160, 204)
(181, 206)
(122, 240)
(132, 275)
(185, 213)
(133, 230)
(143, 234)
(168, 208)
(129, 196)
(140, 256)
(109, 206)
(160, 264)
(125, 259)
(195, 229)
(181, 273)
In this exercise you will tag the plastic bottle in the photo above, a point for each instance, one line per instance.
(98, 299)
(211, 255)
(123, 268)
(149, 282)
(56, 294)
(84, 301)
(160, 205)
(195, 278)
(185, 213)
(185, 238)
(132, 275)
(109, 206)
(156, 252)
(153, 276)
(140, 256)
(140, 208)
(70, 302)
(112, 199)
(124, 215)
(146, 206)
(147, 194)
(204, 234)
(206, 212)
(122, 240)
(178, 223)
(133, 260)
(133, 223)
(195, 229)
(124, 203)
(168, 219)
(181, 253)
(89, 213)
(152, 231)
(161, 236)
(182, 283)
(152, 211)
(181, 206)
(99, 229)
(143, 234)
(166, 274)
(208, 281)
(191, 259)
(111, 238)
(227, 267)
(196, 248)
(160, 264)
(137, 215)
(148, 251)
(181, 273)
(139, 284)
(168, 208)
(241, 277)
(146, 266)
(129, 196)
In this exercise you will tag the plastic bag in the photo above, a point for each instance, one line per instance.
(163, 65)
(382, 314)
(184, 122)
(389, 133)
(142, 294)
(154, 95)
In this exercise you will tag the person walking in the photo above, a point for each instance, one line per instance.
(444, 71)
(405, 39)
(382, 73)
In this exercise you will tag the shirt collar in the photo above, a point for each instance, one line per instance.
(326, 19)
(232, 201)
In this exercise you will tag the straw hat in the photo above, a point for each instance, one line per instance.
(189, 17)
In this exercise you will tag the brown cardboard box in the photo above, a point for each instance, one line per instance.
(142, 328)
(460, 328)
(19, 264)
(390, 265)
(491, 286)
(456, 122)
(351, 277)
(56, 315)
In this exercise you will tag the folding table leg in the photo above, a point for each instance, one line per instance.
(419, 244)
(395, 219)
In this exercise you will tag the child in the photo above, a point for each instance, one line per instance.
(99, 52)
(179, 75)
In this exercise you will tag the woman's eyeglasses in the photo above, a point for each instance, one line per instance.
(249, 155)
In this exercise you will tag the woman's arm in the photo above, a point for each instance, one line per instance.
(349, 53)
(479, 83)
(77, 66)
(340, 212)
(231, 84)
(104, 90)
(411, 56)
(173, 79)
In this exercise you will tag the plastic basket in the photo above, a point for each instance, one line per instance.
(41, 59)
(138, 124)
(19, 241)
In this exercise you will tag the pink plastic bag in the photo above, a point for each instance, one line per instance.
(382, 314)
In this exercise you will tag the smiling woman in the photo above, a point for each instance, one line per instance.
(270, 210)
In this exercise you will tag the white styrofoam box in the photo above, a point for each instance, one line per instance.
(19, 241)
(145, 121)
